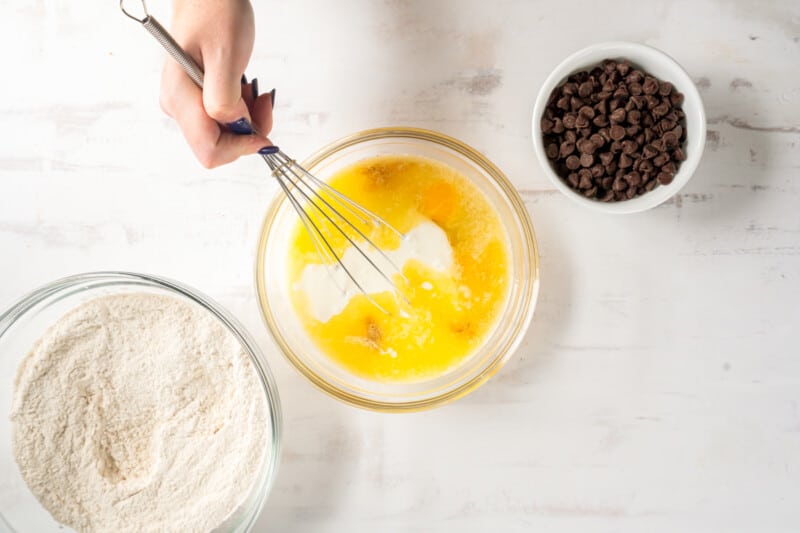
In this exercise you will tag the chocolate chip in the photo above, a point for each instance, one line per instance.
(586, 146)
(628, 146)
(664, 178)
(600, 121)
(666, 124)
(617, 132)
(649, 151)
(670, 140)
(572, 162)
(659, 145)
(612, 131)
(585, 179)
(586, 111)
(605, 158)
(572, 179)
(635, 76)
(660, 159)
(634, 179)
(661, 109)
(650, 85)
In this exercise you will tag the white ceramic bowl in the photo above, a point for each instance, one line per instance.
(654, 62)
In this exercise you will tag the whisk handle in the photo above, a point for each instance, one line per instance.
(161, 34)
(186, 62)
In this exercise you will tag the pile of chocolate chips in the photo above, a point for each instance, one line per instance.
(614, 132)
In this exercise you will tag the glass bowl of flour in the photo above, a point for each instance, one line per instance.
(132, 403)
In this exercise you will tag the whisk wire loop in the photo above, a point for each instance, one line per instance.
(295, 180)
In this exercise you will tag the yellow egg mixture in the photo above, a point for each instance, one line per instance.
(448, 313)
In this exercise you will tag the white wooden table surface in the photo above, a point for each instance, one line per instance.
(658, 388)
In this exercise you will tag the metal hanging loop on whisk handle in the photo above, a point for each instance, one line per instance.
(161, 34)
(311, 198)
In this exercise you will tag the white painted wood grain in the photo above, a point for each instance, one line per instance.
(659, 386)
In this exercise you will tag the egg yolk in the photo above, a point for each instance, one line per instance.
(445, 315)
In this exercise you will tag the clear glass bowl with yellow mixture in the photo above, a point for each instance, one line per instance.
(460, 323)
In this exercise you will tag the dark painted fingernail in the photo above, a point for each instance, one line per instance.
(269, 150)
(272, 92)
(240, 127)
(244, 79)
(254, 86)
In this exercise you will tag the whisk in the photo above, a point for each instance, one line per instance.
(307, 194)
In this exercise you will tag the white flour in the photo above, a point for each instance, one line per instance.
(139, 412)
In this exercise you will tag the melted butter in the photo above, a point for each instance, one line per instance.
(451, 306)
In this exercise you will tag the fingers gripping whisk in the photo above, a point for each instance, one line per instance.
(329, 215)
(326, 214)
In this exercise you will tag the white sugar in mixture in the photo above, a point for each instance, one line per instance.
(139, 412)
(426, 243)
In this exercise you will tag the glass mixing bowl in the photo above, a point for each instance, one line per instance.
(27, 321)
(273, 290)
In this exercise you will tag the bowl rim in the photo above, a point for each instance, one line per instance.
(576, 61)
(530, 294)
(98, 279)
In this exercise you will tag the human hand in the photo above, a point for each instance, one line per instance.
(219, 35)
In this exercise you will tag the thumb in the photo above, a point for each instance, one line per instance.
(222, 91)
